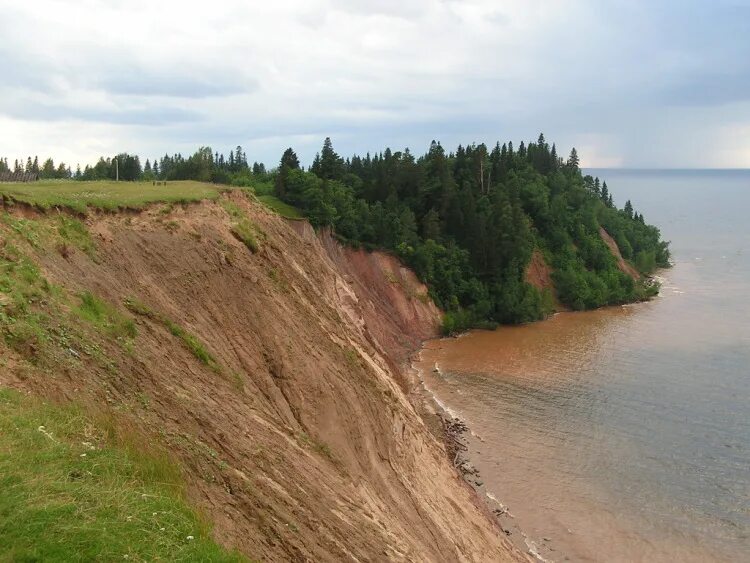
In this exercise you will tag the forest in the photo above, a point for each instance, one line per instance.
(466, 221)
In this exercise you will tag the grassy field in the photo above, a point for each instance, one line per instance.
(111, 196)
(283, 209)
(74, 489)
(107, 195)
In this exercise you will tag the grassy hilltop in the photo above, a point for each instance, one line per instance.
(109, 195)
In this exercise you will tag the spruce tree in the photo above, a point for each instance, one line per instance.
(289, 159)
(629, 209)
(573, 161)
(605, 193)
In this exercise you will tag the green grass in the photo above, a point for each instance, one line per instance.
(190, 341)
(280, 207)
(74, 232)
(75, 489)
(243, 230)
(232, 209)
(21, 288)
(105, 317)
(28, 229)
(107, 195)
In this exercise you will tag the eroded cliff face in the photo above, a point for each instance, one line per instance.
(299, 442)
(539, 274)
(624, 266)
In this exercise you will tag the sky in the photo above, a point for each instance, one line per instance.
(631, 83)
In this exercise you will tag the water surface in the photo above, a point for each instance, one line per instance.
(624, 434)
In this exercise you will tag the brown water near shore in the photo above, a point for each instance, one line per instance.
(623, 434)
(527, 457)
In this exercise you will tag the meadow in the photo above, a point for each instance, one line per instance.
(107, 195)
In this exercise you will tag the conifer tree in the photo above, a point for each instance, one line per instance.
(573, 161)
(629, 209)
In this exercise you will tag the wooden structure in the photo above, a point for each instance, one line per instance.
(9, 176)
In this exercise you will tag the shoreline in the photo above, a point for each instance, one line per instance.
(452, 433)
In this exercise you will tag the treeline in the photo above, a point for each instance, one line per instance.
(204, 165)
(468, 222)
(47, 170)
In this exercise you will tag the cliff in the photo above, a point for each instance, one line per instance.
(265, 358)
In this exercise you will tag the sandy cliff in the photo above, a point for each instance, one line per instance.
(300, 443)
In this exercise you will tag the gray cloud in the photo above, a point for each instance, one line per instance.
(615, 79)
(143, 116)
(132, 81)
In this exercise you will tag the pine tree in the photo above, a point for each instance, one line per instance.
(289, 159)
(629, 209)
(554, 160)
(573, 161)
(605, 193)
(330, 166)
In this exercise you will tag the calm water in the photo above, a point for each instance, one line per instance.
(624, 434)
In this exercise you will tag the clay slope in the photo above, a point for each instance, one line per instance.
(622, 264)
(539, 274)
(301, 445)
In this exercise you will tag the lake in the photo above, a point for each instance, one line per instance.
(624, 434)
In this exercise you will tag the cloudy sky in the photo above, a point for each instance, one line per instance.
(630, 83)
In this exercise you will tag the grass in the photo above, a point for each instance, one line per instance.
(243, 228)
(75, 489)
(28, 229)
(22, 287)
(105, 317)
(243, 231)
(232, 209)
(107, 195)
(280, 207)
(191, 342)
(74, 232)
(316, 445)
(278, 280)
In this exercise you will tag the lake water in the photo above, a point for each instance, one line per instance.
(624, 434)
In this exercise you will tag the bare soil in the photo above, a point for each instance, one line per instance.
(305, 444)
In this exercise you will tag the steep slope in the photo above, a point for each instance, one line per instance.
(271, 375)
(624, 266)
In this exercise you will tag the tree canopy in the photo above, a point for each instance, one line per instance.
(466, 221)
